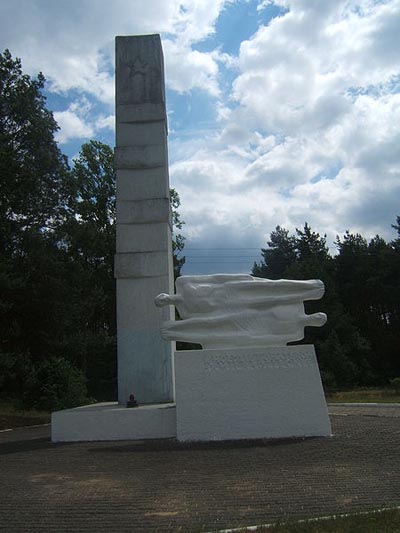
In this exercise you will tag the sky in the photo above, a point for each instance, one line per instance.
(279, 111)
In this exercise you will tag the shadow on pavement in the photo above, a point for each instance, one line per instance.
(25, 445)
(173, 444)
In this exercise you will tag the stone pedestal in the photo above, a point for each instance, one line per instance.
(110, 421)
(143, 262)
(249, 393)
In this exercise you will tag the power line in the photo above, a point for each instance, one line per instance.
(221, 256)
(217, 262)
(258, 248)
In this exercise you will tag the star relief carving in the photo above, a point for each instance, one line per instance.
(137, 66)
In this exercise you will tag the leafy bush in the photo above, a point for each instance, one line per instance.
(15, 369)
(395, 384)
(55, 384)
(337, 369)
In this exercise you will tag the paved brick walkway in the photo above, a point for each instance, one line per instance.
(165, 486)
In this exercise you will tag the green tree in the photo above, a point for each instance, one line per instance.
(88, 238)
(34, 186)
(343, 351)
(178, 240)
(368, 274)
(311, 246)
(33, 171)
(88, 234)
(278, 257)
(55, 384)
(295, 256)
(396, 242)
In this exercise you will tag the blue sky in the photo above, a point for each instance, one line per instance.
(280, 112)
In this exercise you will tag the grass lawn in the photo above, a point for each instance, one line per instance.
(12, 417)
(365, 396)
(384, 521)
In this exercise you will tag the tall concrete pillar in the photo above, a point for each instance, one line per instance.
(143, 262)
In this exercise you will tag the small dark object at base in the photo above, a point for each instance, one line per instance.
(131, 402)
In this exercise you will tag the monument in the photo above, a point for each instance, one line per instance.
(246, 382)
(143, 262)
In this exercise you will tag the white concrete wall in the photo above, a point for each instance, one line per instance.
(249, 393)
(143, 262)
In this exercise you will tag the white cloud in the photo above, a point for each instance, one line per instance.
(78, 122)
(73, 122)
(187, 69)
(312, 131)
(296, 71)
(72, 41)
(106, 122)
(309, 131)
(72, 127)
(195, 19)
(312, 135)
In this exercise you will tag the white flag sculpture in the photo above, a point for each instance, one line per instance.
(238, 310)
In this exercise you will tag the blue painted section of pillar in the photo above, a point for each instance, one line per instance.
(141, 161)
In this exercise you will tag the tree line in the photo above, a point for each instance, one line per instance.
(359, 345)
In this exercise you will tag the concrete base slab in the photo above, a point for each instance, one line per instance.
(111, 421)
(224, 394)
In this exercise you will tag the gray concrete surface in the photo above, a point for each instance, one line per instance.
(166, 486)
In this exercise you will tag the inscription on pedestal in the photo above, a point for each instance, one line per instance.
(249, 393)
(257, 361)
